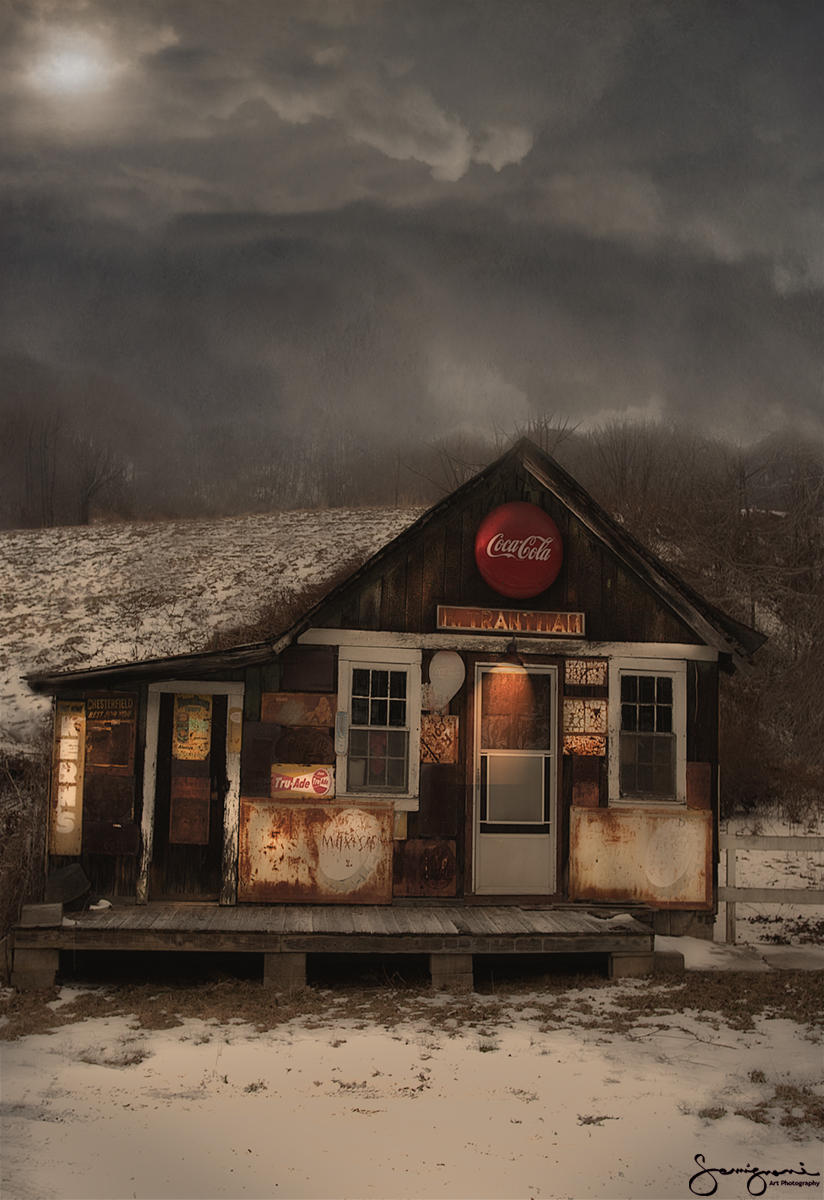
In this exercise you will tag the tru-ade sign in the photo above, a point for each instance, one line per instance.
(518, 550)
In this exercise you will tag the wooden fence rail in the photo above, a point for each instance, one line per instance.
(729, 894)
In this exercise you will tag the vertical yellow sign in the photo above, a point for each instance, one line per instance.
(67, 777)
(192, 731)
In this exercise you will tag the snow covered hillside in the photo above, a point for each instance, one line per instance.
(91, 595)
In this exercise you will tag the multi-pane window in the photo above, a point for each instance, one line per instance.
(648, 741)
(378, 759)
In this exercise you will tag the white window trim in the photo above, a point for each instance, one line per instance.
(677, 669)
(382, 656)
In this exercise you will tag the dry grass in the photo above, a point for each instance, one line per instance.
(553, 1002)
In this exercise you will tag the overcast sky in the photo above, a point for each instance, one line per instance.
(419, 217)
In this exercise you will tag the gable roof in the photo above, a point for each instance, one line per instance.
(714, 627)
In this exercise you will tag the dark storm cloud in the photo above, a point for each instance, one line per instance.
(411, 218)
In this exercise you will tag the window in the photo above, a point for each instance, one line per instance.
(378, 731)
(647, 731)
(647, 740)
(378, 726)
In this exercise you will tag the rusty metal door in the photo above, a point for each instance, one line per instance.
(515, 779)
(189, 797)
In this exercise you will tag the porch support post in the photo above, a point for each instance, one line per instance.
(629, 964)
(451, 972)
(34, 969)
(149, 774)
(285, 971)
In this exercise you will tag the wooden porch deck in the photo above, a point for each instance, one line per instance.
(333, 928)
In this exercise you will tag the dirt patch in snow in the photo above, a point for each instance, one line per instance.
(633, 1006)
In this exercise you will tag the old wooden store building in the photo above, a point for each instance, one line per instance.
(498, 735)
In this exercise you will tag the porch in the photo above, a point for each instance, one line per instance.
(450, 934)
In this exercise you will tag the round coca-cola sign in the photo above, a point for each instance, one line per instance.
(518, 549)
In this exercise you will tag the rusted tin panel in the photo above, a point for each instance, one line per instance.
(425, 867)
(585, 672)
(298, 708)
(189, 810)
(313, 782)
(326, 854)
(587, 773)
(650, 856)
(585, 716)
(699, 785)
(590, 745)
(305, 744)
(439, 738)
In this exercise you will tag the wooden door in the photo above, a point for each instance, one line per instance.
(190, 793)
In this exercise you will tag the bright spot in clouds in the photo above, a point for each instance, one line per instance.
(73, 67)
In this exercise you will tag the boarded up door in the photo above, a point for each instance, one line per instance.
(189, 798)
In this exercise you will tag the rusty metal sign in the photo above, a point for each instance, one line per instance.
(290, 779)
(650, 856)
(67, 777)
(189, 810)
(586, 672)
(331, 853)
(439, 738)
(591, 745)
(585, 716)
(298, 708)
(192, 729)
(509, 621)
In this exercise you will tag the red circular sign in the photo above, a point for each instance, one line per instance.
(321, 781)
(518, 549)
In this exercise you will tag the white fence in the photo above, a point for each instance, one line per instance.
(750, 895)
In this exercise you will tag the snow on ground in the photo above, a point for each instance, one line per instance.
(101, 1109)
(87, 596)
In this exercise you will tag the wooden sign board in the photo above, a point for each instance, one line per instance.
(505, 621)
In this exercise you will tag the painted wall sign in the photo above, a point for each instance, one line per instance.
(336, 853)
(439, 738)
(111, 724)
(67, 777)
(510, 620)
(192, 729)
(518, 549)
(291, 779)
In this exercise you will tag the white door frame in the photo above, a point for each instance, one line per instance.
(231, 807)
(511, 840)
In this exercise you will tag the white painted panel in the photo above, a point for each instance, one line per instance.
(514, 864)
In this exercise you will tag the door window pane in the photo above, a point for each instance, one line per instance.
(515, 788)
(515, 710)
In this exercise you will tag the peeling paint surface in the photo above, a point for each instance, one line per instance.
(586, 672)
(585, 716)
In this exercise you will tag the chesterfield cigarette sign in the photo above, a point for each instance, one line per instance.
(518, 550)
